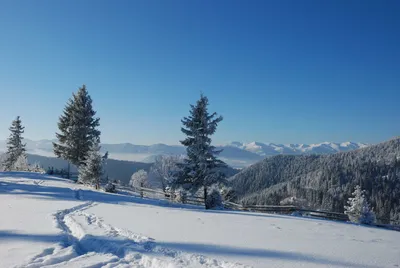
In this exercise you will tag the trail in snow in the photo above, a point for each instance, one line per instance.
(89, 242)
(67, 249)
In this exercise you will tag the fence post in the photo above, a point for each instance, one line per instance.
(68, 175)
(141, 189)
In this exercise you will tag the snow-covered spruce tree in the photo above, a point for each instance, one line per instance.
(78, 129)
(15, 146)
(92, 172)
(358, 208)
(201, 168)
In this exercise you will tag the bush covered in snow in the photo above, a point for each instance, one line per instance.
(21, 164)
(37, 168)
(139, 179)
(181, 196)
(358, 208)
(227, 193)
(294, 201)
(110, 187)
(214, 199)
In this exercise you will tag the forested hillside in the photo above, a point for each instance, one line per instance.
(326, 181)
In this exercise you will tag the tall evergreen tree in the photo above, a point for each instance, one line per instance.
(78, 129)
(92, 171)
(15, 147)
(201, 168)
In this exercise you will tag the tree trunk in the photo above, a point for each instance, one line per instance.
(205, 198)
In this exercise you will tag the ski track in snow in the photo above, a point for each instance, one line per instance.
(87, 241)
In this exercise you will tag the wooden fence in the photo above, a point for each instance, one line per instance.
(158, 194)
(63, 173)
(289, 210)
(306, 212)
(274, 209)
(199, 200)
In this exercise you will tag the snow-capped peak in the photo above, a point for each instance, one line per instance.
(266, 149)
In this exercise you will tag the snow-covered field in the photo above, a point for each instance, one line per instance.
(51, 222)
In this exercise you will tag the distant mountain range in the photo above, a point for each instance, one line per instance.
(236, 154)
(268, 149)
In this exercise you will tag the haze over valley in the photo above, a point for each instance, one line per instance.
(236, 154)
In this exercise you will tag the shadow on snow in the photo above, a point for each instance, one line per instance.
(122, 247)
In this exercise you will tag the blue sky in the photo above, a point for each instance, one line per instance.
(278, 71)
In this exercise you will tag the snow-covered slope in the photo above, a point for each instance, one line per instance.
(51, 222)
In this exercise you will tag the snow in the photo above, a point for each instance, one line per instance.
(52, 222)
